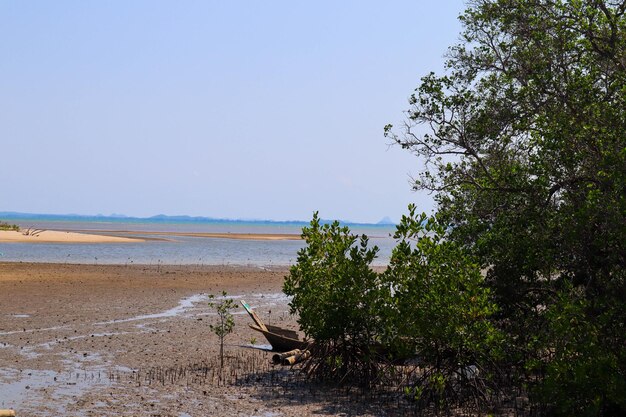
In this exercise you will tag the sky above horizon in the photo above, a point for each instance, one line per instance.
(239, 109)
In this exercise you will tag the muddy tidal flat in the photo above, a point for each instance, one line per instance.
(99, 340)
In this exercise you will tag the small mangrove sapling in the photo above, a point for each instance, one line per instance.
(225, 322)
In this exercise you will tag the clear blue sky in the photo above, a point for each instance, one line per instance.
(238, 109)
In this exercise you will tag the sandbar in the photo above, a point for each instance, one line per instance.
(54, 236)
(224, 235)
(127, 236)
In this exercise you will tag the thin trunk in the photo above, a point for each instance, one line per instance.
(221, 352)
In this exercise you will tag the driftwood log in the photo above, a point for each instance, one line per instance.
(297, 358)
(279, 357)
(7, 413)
(291, 358)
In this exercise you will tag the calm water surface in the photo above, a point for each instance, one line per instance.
(179, 250)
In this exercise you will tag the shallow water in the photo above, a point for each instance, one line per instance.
(179, 250)
(46, 329)
(17, 387)
(184, 305)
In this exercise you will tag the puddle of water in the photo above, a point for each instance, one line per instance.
(269, 300)
(259, 346)
(145, 327)
(34, 351)
(46, 329)
(183, 305)
(29, 352)
(21, 388)
(79, 360)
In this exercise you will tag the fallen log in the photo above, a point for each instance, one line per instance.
(279, 357)
(7, 413)
(297, 358)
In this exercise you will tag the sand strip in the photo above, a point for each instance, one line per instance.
(53, 236)
(239, 236)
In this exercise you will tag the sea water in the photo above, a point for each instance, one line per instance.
(179, 250)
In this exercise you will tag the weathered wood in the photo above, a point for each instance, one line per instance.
(297, 358)
(278, 357)
(291, 334)
(7, 413)
(279, 342)
(257, 320)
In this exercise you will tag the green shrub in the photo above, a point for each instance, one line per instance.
(440, 311)
(584, 357)
(429, 304)
(335, 293)
(10, 227)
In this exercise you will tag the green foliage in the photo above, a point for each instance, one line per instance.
(225, 322)
(438, 290)
(525, 149)
(9, 227)
(582, 366)
(430, 303)
(335, 294)
(332, 283)
(439, 309)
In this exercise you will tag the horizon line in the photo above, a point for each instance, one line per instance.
(385, 221)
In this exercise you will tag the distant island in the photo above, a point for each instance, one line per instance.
(386, 221)
(162, 218)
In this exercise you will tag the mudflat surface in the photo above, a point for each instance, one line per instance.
(97, 340)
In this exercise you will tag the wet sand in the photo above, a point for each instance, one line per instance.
(94, 340)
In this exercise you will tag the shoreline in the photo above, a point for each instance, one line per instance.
(210, 235)
(57, 236)
(127, 236)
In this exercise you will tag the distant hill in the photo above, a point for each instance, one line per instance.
(162, 218)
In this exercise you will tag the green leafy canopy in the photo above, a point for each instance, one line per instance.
(524, 139)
